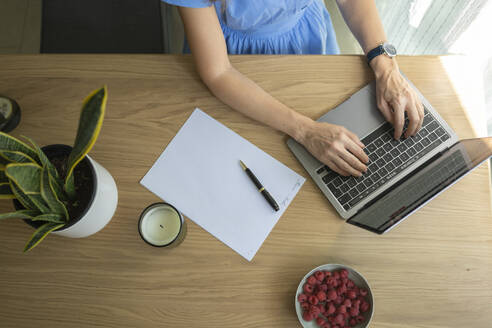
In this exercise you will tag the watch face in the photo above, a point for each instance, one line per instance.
(389, 49)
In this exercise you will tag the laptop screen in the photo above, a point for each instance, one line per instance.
(422, 185)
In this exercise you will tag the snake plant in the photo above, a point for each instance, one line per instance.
(26, 173)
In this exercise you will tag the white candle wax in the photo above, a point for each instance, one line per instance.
(160, 225)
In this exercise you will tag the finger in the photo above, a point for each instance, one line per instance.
(341, 163)
(355, 139)
(398, 118)
(353, 161)
(385, 109)
(357, 151)
(420, 106)
(335, 168)
(413, 118)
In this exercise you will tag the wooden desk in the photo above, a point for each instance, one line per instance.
(433, 270)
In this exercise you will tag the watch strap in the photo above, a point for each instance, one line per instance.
(379, 50)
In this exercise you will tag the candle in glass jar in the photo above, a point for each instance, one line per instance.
(160, 224)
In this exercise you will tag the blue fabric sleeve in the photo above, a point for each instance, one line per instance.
(190, 3)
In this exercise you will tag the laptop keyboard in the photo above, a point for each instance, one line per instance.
(387, 158)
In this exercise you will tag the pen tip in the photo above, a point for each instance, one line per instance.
(242, 165)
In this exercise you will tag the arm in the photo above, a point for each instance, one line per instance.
(329, 143)
(394, 95)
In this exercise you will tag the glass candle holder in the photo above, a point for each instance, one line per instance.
(161, 225)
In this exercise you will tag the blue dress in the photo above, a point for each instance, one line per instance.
(272, 26)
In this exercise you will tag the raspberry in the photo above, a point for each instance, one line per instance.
(320, 275)
(350, 284)
(347, 303)
(363, 292)
(313, 300)
(321, 296)
(339, 319)
(305, 305)
(307, 316)
(344, 273)
(311, 280)
(331, 281)
(327, 273)
(341, 309)
(332, 295)
(357, 303)
(336, 274)
(314, 310)
(323, 287)
(308, 288)
(341, 290)
(351, 294)
(326, 325)
(352, 322)
(364, 306)
(320, 321)
(359, 319)
(302, 298)
(330, 309)
(354, 312)
(338, 300)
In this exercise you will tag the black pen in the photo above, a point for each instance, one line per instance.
(261, 189)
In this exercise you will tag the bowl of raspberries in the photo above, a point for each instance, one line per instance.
(334, 296)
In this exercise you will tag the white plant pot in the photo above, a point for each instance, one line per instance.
(100, 206)
(100, 210)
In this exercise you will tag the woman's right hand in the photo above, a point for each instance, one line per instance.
(336, 147)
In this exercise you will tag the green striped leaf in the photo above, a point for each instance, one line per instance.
(26, 192)
(70, 186)
(50, 217)
(5, 191)
(10, 143)
(91, 118)
(22, 214)
(16, 157)
(45, 162)
(22, 197)
(27, 176)
(50, 197)
(41, 233)
(39, 203)
(58, 189)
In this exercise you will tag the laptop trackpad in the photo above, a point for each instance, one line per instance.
(359, 113)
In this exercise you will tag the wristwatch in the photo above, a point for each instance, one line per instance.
(384, 48)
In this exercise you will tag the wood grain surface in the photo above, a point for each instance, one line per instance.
(433, 270)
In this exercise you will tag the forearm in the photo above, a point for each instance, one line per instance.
(245, 96)
(363, 20)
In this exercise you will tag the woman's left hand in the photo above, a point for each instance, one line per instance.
(395, 97)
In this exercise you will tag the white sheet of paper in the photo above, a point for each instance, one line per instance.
(199, 173)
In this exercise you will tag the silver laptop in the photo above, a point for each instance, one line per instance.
(401, 173)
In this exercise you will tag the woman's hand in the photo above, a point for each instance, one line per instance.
(336, 147)
(395, 97)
